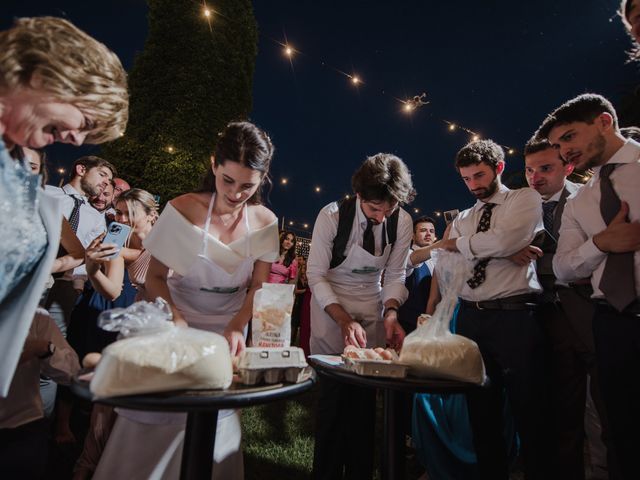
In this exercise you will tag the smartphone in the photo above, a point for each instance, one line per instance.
(449, 215)
(117, 234)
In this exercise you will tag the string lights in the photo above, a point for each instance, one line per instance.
(409, 106)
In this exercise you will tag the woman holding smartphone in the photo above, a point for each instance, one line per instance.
(110, 276)
(210, 251)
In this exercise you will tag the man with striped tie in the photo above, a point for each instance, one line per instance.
(497, 311)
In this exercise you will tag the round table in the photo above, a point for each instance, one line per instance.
(202, 408)
(392, 458)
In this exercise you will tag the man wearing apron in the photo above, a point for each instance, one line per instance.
(353, 242)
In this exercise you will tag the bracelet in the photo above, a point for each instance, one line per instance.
(389, 309)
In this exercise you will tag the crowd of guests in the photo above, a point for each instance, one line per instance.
(552, 298)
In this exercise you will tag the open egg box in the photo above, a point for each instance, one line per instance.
(375, 368)
(272, 365)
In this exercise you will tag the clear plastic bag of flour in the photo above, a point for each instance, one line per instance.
(432, 350)
(271, 322)
(155, 355)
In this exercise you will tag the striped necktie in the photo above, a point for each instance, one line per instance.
(74, 218)
(479, 270)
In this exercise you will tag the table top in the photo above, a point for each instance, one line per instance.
(236, 396)
(407, 384)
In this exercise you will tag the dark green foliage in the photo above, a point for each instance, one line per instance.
(186, 85)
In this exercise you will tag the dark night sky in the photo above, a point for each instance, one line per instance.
(496, 67)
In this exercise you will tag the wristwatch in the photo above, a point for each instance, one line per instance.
(389, 309)
(51, 349)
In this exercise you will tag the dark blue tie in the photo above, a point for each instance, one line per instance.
(547, 215)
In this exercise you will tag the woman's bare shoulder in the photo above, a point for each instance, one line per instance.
(260, 216)
(192, 206)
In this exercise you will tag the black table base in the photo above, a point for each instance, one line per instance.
(392, 458)
(202, 408)
(199, 442)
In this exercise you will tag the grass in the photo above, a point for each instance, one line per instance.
(278, 440)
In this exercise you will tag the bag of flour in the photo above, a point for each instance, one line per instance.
(432, 350)
(271, 322)
(157, 356)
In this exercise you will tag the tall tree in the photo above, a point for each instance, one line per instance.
(194, 76)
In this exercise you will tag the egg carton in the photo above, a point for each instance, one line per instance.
(273, 375)
(272, 365)
(376, 368)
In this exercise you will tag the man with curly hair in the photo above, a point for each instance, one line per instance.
(354, 241)
(497, 311)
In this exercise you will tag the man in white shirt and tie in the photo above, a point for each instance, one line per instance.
(566, 312)
(91, 175)
(353, 242)
(600, 239)
(497, 311)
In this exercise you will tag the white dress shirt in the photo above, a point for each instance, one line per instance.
(92, 223)
(577, 256)
(431, 264)
(324, 232)
(515, 220)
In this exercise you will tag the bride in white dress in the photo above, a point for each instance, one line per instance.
(211, 250)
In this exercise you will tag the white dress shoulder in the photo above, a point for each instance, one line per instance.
(176, 242)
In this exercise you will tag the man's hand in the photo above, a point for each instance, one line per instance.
(528, 254)
(394, 333)
(353, 334)
(621, 235)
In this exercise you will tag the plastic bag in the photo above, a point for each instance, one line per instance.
(432, 350)
(158, 356)
(271, 323)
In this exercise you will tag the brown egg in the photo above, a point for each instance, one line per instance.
(90, 360)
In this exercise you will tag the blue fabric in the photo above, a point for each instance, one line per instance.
(421, 272)
(442, 435)
(84, 335)
(24, 238)
(418, 284)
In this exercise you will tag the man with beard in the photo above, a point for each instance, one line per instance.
(600, 239)
(419, 272)
(353, 242)
(104, 202)
(497, 311)
(91, 175)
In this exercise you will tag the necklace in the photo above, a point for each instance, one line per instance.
(230, 218)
